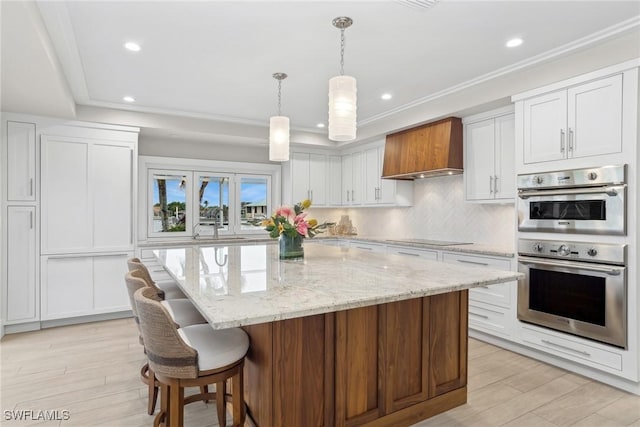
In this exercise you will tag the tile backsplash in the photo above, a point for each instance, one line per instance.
(439, 212)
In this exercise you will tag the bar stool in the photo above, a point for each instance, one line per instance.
(182, 312)
(190, 356)
(167, 289)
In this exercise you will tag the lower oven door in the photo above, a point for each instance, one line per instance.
(599, 210)
(584, 299)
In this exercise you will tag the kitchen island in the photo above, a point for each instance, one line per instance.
(343, 337)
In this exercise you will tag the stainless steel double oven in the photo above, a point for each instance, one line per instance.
(571, 285)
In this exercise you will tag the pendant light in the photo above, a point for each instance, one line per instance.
(279, 129)
(342, 95)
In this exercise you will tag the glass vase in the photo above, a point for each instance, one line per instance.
(291, 246)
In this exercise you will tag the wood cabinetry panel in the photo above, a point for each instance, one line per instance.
(448, 342)
(406, 339)
(356, 397)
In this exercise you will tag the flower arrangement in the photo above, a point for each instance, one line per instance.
(293, 221)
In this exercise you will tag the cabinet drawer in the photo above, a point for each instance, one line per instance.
(371, 247)
(499, 294)
(413, 252)
(570, 348)
(490, 320)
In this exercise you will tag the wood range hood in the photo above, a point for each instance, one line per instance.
(429, 150)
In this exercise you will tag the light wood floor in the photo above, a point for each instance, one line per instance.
(91, 370)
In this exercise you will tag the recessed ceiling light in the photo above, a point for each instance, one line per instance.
(133, 47)
(129, 99)
(320, 125)
(386, 96)
(514, 42)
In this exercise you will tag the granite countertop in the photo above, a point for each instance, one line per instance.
(239, 285)
(471, 248)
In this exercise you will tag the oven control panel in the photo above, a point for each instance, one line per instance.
(580, 251)
(606, 175)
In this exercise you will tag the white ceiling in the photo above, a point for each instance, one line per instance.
(214, 60)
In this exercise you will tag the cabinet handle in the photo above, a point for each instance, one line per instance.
(495, 184)
(311, 198)
(482, 316)
(473, 262)
(31, 220)
(564, 347)
(407, 253)
(31, 186)
(562, 140)
(483, 287)
(347, 195)
(490, 184)
(570, 140)
(353, 196)
(365, 248)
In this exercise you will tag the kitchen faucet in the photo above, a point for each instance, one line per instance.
(196, 230)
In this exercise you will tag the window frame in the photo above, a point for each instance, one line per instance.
(193, 169)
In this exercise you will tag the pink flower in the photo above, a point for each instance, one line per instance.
(284, 211)
(302, 228)
(299, 217)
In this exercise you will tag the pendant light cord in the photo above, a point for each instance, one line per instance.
(279, 96)
(342, 51)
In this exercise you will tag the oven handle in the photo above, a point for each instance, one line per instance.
(609, 191)
(612, 271)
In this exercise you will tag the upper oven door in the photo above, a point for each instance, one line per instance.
(588, 210)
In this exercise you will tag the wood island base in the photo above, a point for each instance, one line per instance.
(391, 364)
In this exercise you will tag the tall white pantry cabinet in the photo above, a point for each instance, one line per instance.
(68, 209)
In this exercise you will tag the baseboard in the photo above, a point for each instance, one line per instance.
(21, 327)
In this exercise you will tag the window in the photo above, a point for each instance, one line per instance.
(200, 202)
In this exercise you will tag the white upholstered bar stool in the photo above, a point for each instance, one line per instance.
(194, 355)
(167, 289)
(182, 312)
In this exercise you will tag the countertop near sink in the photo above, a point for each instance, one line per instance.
(471, 248)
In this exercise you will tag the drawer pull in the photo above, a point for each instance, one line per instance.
(564, 347)
(473, 262)
(482, 316)
(407, 253)
(365, 248)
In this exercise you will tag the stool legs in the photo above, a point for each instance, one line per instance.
(220, 402)
(237, 388)
(176, 404)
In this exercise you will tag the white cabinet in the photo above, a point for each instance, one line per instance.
(352, 179)
(368, 246)
(87, 195)
(308, 178)
(581, 121)
(413, 252)
(365, 185)
(22, 289)
(21, 161)
(489, 164)
(491, 308)
(334, 181)
(83, 285)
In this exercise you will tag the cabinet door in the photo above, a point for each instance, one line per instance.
(66, 201)
(595, 118)
(21, 161)
(317, 179)
(299, 177)
(371, 176)
(109, 292)
(387, 192)
(112, 193)
(334, 181)
(357, 191)
(545, 119)
(347, 179)
(505, 171)
(21, 265)
(67, 287)
(479, 166)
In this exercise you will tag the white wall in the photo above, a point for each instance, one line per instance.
(203, 150)
(439, 213)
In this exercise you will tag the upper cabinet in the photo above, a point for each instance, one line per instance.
(352, 180)
(379, 191)
(489, 150)
(21, 161)
(87, 194)
(580, 121)
(315, 177)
